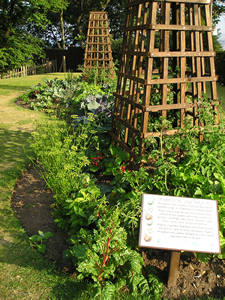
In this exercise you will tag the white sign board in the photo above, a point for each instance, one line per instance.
(177, 223)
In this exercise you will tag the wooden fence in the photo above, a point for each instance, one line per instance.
(47, 67)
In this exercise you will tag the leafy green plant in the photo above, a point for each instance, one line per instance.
(25, 97)
(115, 164)
(98, 195)
(61, 152)
(96, 75)
(38, 241)
(84, 209)
(104, 256)
(72, 96)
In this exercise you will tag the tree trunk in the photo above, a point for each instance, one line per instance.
(82, 44)
(104, 5)
(63, 41)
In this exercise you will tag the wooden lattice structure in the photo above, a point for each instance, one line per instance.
(167, 67)
(98, 53)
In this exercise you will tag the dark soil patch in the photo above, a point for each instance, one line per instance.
(196, 279)
(32, 202)
(21, 103)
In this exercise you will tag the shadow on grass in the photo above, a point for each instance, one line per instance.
(14, 151)
(62, 286)
(15, 88)
(15, 249)
(13, 147)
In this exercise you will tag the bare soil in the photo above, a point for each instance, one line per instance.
(32, 202)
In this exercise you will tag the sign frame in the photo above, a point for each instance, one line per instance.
(175, 248)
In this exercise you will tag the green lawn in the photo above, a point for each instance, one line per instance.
(221, 95)
(21, 84)
(24, 273)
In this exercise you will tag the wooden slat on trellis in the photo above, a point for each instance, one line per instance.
(98, 53)
(167, 67)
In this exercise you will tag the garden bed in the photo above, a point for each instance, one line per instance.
(97, 194)
(32, 202)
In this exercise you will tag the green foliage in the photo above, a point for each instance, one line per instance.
(38, 241)
(216, 43)
(218, 10)
(63, 156)
(117, 45)
(114, 162)
(219, 61)
(20, 50)
(103, 255)
(18, 47)
(97, 76)
(98, 195)
(72, 98)
(86, 212)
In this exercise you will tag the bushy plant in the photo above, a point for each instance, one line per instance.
(104, 256)
(98, 195)
(98, 76)
(73, 97)
(99, 243)
(192, 167)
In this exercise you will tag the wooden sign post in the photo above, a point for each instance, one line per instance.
(179, 224)
(174, 268)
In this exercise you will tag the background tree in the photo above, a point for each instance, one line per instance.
(27, 27)
(18, 46)
(218, 10)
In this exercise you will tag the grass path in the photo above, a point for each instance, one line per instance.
(24, 273)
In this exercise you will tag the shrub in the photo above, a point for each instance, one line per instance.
(98, 196)
(99, 243)
(72, 96)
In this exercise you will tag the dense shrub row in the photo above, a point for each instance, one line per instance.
(97, 195)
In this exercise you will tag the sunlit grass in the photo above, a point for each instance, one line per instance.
(24, 273)
(221, 95)
(21, 84)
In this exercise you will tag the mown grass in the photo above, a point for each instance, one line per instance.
(221, 95)
(24, 273)
(20, 84)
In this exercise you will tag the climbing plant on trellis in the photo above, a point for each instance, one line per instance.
(167, 66)
(98, 53)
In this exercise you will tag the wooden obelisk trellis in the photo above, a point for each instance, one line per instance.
(98, 53)
(167, 66)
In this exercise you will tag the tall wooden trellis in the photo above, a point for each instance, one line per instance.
(98, 53)
(167, 67)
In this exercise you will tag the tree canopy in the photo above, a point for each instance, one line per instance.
(18, 45)
(28, 26)
(218, 10)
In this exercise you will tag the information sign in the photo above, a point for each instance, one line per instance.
(177, 223)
